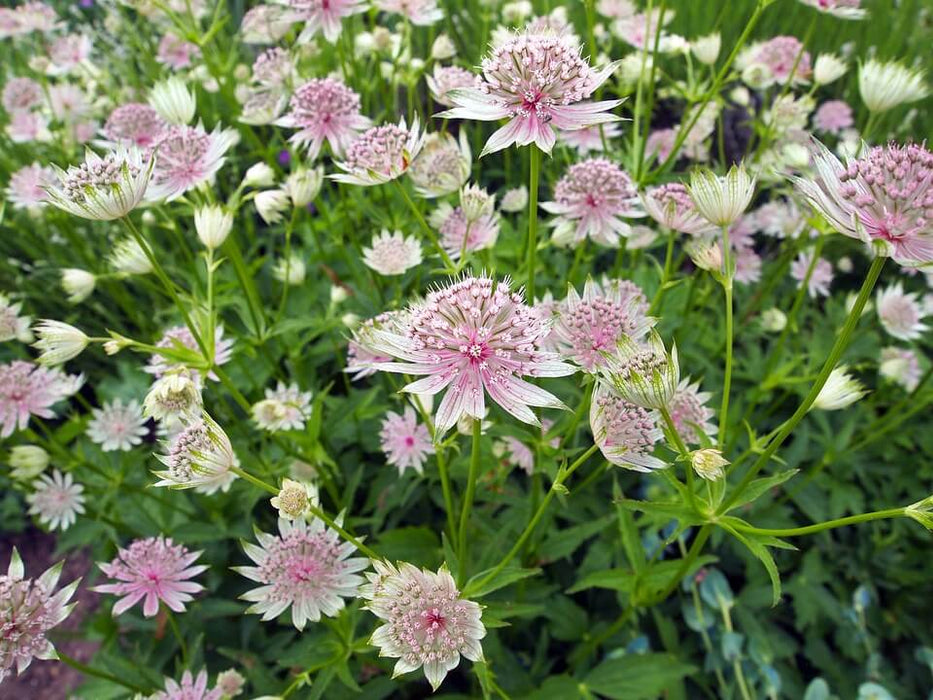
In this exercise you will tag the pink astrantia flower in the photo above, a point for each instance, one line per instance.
(833, 117)
(186, 156)
(322, 16)
(27, 187)
(689, 412)
(444, 79)
(884, 198)
(820, 278)
(175, 52)
(305, 567)
(426, 624)
(21, 94)
(589, 327)
(671, 206)
(747, 265)
(443, 166)
(779, 218)
(901, 366)
(522, 456)
(405, 441)
(286, 407)
(28, 126)
(539, 83)
(474, 337)
(590, 200)
(29, 608)
(625, 433)
(590, 138)
(29, 390)
(155, 569)
(274, 68)
(361, 362)
(843, 9)
(421, 13)
(779, 55)
(68, 52)
(57, 500)
(901, 313)
(181, 337)
(190, 688)
(134, 124)
(381, 154)
(324, 109)
(118, 426)
(456, 235)
(266, 24)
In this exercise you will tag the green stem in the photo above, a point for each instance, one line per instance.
(838, 348)
(684, 453)
(665, 278)
(470, 491)
(232, 249)
(827, 525)
(440, 456)
(89, 671)
(428, 231)
(727, 381)
(176, 630)
(534, 168)
(736, 662)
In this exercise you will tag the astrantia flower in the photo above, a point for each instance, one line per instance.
(458, 235)
(405, 441)
(230, 683)
(322, 16)
(274, 68)
(884, 198)
(29, 390)
(843, 9)
(291, 270)
(20, 94)
(134, 124)
(261, 106)
(708, 463)
(361, 361)
(381, 154)
(324, 109)
(173, 102)
(175, 52)
(820, 278)
(590, 201)
(304, 567)
(28, 185)
(670, 205)
(57, 500)
(199, 457)
(901, 313)
(625, 433)
(265, 24)
(78, 284)
(103, 188)
(840, 390)
(190, 688)
(447, 78)
(901, 366)
(886, 85)
(721, 200)
(515, 200)
(174, 396)
(644, 374)
(293, 499)
(128, 258)
(392, 253)
(443, 166)
(28, 126)
(425, 621)
(421, 13)
(156, 569)
(588, 328)
(833, 117)
(590, 138)
(185, 157)
(304, 184)
(181, 337)
(778, 56)
(28, 609)
(27, 462)
(473, 337)
(536, 82)
(284, 408)
(117, 426)
(689, 412)
(58, 342)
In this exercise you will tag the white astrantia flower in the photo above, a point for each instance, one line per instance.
(708, 463)
(304, 185)
(103, 188)
(57, 500)
(643, 373)
(174, 396)
(515, 200)
(828, 69)
(293, 499)
(271, 205)
(12, 325)
(442, 166)
(78, 284)
(212, 223)
(841, 390)
(58, 342)
(721, 200)
(706, 48)
(117, 426)
(27, 462)
(173, 101)
(128, 258)
(199, 457)
(285, 408)
(886, 85)
(392, 253)
(900, 313)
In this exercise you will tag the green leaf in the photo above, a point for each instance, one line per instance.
(637, 677)
(677, 511)
(563, 543)
(757, 547)
(506, 577)
(760, 486)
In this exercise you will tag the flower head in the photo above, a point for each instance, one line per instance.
(21, 94)
(56, 499)
(284, 408)
(901, 366)
(59, 342)
(200, 457)
(590, 138)
(671, 206)
(447, 78)
(230, 683)
(181, 338)
(129, 258)
(901, 313)
(190, 688)
(173, 102)
(625, 433)
(841, 390)
(589, 327)
(175, 52)
(134, 124)
(426, 624)
(644, 374)
(324, 109)
(304, 184)
(156, 569)
(381, 154)
(833, 117)
(118, 426)
(266, 24)
(305, 567)
(843, 9)
(27, 462)
(782, 59)
(721, 200)
(690, 414)
(708, 463)
(473, 337)
(103, 188)
(590, 200)
(539, 83)
(187, 156)
(458, 235)
(29, 390)
(293, 499)
(28, 186)
(443, 166)
(405, 441)
(78, 284)
(174, 396)
(392, 253)
(28, 609)
(886, 85)
(322, 16)
(515, 199)
(884, 198)
(820, 278)
(421, 13)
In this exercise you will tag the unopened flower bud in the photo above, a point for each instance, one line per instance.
(59, 342)
(706, 48)
(476, 203)
(259, 175)
(841, 390)
(338, 294)
(708, 463)
(213, 224)
(515, 200)
(174, 395)
(303, 185)
(443, 48)
(293, 499)
(173, 102)
(828, 68)
(78, 284)
(27, 461)
(271, 204)
(350, 320)
(773, 320)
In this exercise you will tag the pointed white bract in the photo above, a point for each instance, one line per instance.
(103, 188)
